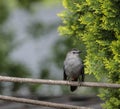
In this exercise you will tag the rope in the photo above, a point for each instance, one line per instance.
(58, 82)
(41, 103)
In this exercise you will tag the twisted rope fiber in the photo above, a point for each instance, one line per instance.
(58, 82)
(41, 103)
(50, 82)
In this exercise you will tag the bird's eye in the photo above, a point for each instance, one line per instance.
(73, 52)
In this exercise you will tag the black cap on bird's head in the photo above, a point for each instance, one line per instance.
(75, 51)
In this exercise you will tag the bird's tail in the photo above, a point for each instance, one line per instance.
(73, 88)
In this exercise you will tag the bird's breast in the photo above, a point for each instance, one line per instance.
(72, 66)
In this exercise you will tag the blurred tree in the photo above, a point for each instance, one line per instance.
(8, 66)
(97, 23)
(7, 45)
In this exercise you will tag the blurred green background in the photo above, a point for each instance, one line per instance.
(30, 46)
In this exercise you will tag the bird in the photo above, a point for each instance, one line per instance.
(73, 67)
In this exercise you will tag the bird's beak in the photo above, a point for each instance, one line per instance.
(79, 52)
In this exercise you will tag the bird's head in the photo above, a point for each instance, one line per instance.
(74, 52)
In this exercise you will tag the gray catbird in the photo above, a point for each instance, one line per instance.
(73, 67)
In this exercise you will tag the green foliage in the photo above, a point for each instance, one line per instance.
(36, 29)
(27, 3)
(97, 24)
(44, 73)
(3, 12)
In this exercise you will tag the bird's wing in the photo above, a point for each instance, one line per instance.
(82, 73)
(64, 74)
